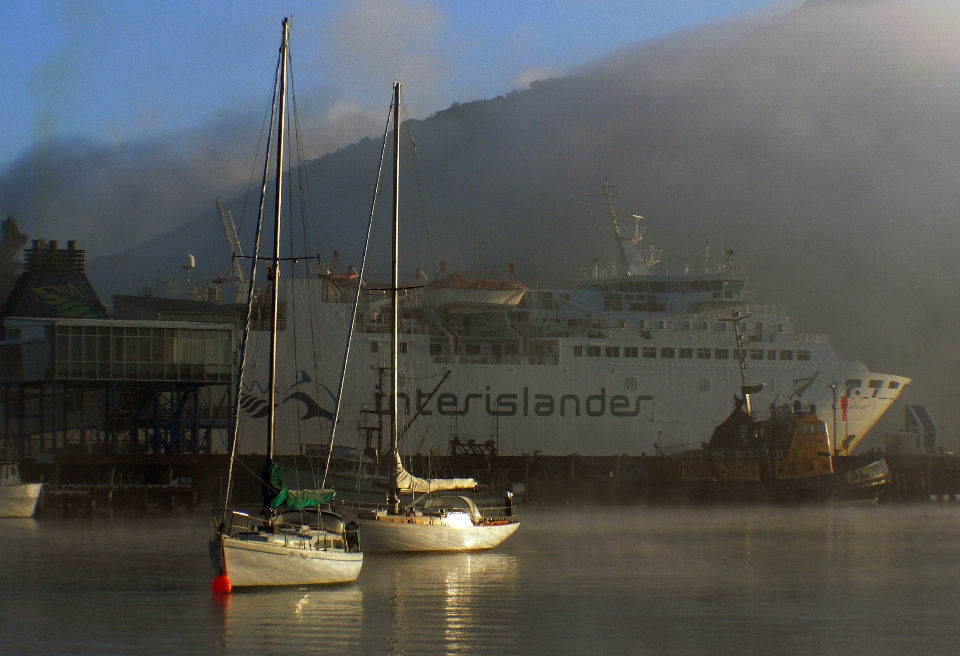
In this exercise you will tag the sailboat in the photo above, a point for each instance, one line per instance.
(440, 516)
(296, 542)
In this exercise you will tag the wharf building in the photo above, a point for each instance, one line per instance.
(157, 377)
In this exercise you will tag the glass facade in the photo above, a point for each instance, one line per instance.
(111, 352)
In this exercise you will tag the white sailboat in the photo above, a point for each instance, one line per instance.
(295, 543)
(17, 499)
(440, 516)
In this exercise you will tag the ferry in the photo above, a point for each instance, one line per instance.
(628, 358)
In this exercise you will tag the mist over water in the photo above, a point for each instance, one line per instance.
(779, 580)
(821, 146)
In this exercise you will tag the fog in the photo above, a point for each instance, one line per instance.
(821, 146)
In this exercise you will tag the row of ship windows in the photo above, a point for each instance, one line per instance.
(702, 353)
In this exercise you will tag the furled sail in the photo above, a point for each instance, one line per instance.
(277, 495)
(407, 482)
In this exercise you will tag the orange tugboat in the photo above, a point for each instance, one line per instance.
(786, 455)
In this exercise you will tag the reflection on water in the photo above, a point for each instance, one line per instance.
(878, 580)
(319, 617)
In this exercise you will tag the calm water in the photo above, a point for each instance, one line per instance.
(824, 580)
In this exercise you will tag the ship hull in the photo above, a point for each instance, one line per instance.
(557, 391)
(250, 564)
(395, 535)
(19, 500)
(863, 479)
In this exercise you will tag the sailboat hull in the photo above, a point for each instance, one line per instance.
(380, 535)
(19, 500)
(262, 564)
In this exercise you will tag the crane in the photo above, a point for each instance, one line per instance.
(233, 242)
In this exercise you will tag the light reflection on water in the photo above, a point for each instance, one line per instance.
(810, 580)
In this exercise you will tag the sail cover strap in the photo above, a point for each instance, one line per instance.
(277, 495)
(407, 482)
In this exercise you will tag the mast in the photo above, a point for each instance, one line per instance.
(275, 282)
(394, 295)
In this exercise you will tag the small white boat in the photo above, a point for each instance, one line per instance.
(441, 523)
(17, 499)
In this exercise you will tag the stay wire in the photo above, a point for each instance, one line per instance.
(251, 289)
(356, 302)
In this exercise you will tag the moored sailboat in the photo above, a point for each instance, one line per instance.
(295, 542)
(440, 515)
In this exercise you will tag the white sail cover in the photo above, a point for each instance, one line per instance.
(407, 482)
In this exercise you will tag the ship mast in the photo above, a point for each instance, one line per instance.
(275, 263)
(394, 499)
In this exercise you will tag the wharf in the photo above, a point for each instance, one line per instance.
(141, 483)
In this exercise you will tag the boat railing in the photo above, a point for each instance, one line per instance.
(498, 513)
(234, 523)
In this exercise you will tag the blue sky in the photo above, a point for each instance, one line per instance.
(115, 71)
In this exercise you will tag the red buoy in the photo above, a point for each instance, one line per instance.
(221, 585)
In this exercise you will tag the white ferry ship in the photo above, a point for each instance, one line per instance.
(625, 360)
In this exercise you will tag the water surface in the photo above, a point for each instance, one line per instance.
(806, 580)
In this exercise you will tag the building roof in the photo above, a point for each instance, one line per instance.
(164, 308)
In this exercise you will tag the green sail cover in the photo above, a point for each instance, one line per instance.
(276, 494)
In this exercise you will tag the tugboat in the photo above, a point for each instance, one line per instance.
(784, 455)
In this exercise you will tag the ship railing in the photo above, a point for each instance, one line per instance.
(763, 311)
(727, 455)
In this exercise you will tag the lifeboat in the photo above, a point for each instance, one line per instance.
(342, 279)
(477, 294)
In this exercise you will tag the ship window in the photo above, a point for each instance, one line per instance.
(771, 354)
(756, 354)
(403, 347)
(722, 354)
(853, 382)
(876, 384)
(803, 355)
(641, 324)
(578, 351)
(704, 385)
(436, 348)
(630, 384)
(649, 351)
(684, 325)
(668, 352)
(374, 347)
(786, 355)
(661, 324)
(686, 353)
(703, 353)
(473, 349)
(658, 287)
(631, 351)
(894, 385)
(593, 351)
(613, 352)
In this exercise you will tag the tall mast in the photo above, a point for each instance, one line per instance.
(274, 288)
(394, 292)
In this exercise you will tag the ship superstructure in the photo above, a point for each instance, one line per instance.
(626, 359)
